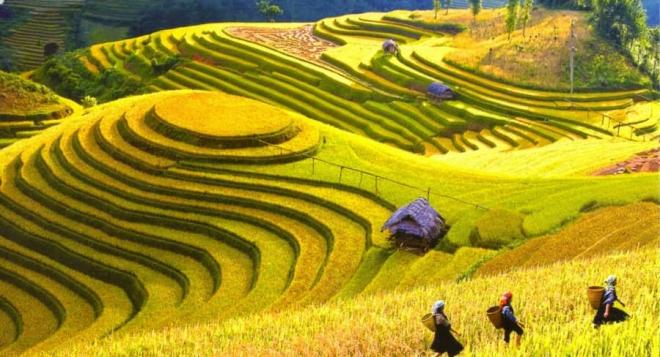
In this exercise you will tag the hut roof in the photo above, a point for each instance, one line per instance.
(417, 218)
(437, 88)
(389, 43)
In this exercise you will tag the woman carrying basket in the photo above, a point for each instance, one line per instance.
(607, 313)
(510, 323)
(443, 341)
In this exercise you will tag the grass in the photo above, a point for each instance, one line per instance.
(374, 317)
(25, 106)
(596, 233)
(540, 58)
(563, 158)
(23, 97)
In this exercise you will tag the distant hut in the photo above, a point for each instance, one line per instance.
(439, 91)
(390, 46)
(416, 227)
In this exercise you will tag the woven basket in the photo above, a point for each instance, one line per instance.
(595, 294)
(494, 314)
(427, 320)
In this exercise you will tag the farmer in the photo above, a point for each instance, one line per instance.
(443, 341)
(606, 311)
(509, 319)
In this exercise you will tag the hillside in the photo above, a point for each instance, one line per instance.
(27, 108)
(556, 309)
(335, 72)
(153, 210)
(227, 194)
(538, 55)
(71, 24)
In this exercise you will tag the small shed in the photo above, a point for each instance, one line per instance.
(437, 90)
(416, 227)
(390, 46)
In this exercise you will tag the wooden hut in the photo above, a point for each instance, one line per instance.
(390, 46)
(416, 227)
(439, 91)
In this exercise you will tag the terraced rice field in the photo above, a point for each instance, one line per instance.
(184, 207)
(46, 23)
(595, 234)
(299, 42)
(27, 109)
(263, 191)
(552, 302)
(97, 236)
(358, 89)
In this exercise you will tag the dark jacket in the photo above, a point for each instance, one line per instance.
(444, 341)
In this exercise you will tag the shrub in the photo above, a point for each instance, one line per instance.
(69, 78)
(496, 228)
(446, 27)
(88, 101)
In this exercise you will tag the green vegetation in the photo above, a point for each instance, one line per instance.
(497, 228)
(255, 179)
(268, 10)
(597, 233)
(27, 108)
(511, 16)
(70, 78)
(624, 23)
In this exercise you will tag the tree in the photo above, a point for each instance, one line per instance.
(475, 6)
(436, 8)
(446, 4)
(511, 16)
(526, 14)
(269, 10)
(622, 21)
(655, 39)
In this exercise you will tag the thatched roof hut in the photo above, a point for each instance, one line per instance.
(437, 90)
(390, 46)
(416, 227)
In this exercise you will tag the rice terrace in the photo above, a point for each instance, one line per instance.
(301, 178)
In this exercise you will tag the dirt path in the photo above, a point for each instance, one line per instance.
(299, 42)
(647, 161)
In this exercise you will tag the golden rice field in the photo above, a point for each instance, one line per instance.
(550, 300)
(354, 87)
(237, 209)
(595, 233)
(127, 218)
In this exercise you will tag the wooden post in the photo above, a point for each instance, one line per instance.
(341, 173)
(572, 49)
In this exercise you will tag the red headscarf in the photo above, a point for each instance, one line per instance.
(505, 299)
